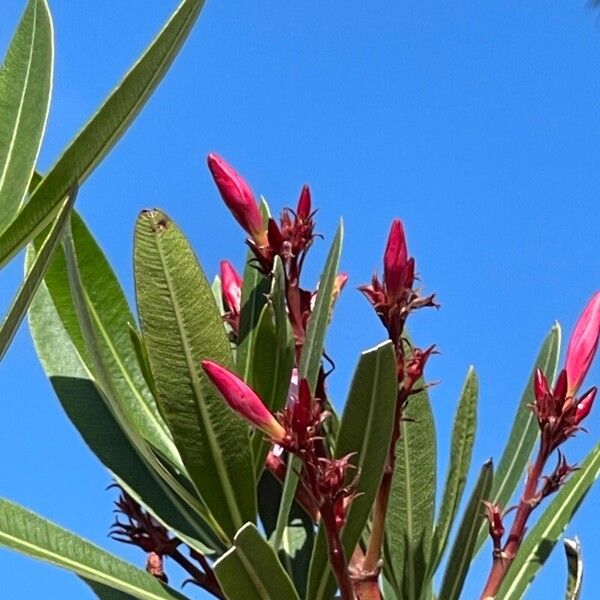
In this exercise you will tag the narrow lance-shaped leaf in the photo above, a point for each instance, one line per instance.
(409, 523)
(110, 316)
(366, 430)
(461, 449)
(34, 276)
(255, 287)
(464, 544)
(25, 89)
(574, 569)
(251, 570)
(273, 359)
(102, 424)
(543, 536)
(524, 432)
(312, 350)
(95, 140)
(181, 326)
(34, 536)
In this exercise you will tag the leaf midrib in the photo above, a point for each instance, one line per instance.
(79, 567)
(16, 128)
(215, 451)
(146, 409)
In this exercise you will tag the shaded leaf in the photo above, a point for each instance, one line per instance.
(25, 89)
(250, 570)
(181, 326)
(574, 569)
(312, 350)
(366, 430)
(272, 361)
(34, 276)
(100, 134)
(89, 411)
(34, 536)
(103, 300)
(464, 545)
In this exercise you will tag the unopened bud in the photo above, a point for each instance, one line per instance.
(243, 400)
(239, 198)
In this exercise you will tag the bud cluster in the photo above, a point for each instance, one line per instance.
(395, 297)
(141, 529)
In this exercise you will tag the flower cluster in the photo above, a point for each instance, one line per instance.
(559, 412)
(297, 429)
(395, 297)
(141, 529)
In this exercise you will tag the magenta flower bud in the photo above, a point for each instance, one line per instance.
(304, 203)
(585, 405)
(540, 386)
(583, 344)
(243, 400)
(231, 286)
(239, 198)
(395, 260)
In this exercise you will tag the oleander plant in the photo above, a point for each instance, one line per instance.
(210, 408)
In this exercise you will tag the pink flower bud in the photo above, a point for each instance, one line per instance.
(231, 286)
(585, 405)
(583, 344)
(395, 259)
(239, 198)
(243, 400)
(304, 203)
(540, 386)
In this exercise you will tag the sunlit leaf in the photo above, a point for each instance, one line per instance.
(25, 89)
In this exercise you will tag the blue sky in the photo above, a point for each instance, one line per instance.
(477, 123)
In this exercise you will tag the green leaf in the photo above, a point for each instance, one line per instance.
(461, 449)
(250, 570)
(575, 569)
(409, 522)
(110, 317)
(298, 535)
(543, 536)
(181, 326)
(34, 536)
(366, 430)
(524, 432)
(272, 360)
(255, 287)
(107, 593)
(464, 544)
(312, 350)
(35, 275)
(89, 411)
(101, 133)
(25, 89)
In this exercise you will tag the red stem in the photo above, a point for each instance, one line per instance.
(337, 556)
(529, 500)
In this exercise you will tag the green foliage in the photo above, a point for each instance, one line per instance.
(542, 538)
(193, 475)
(241, 570)
(26, 532)
(409, 524)
(181, 327)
